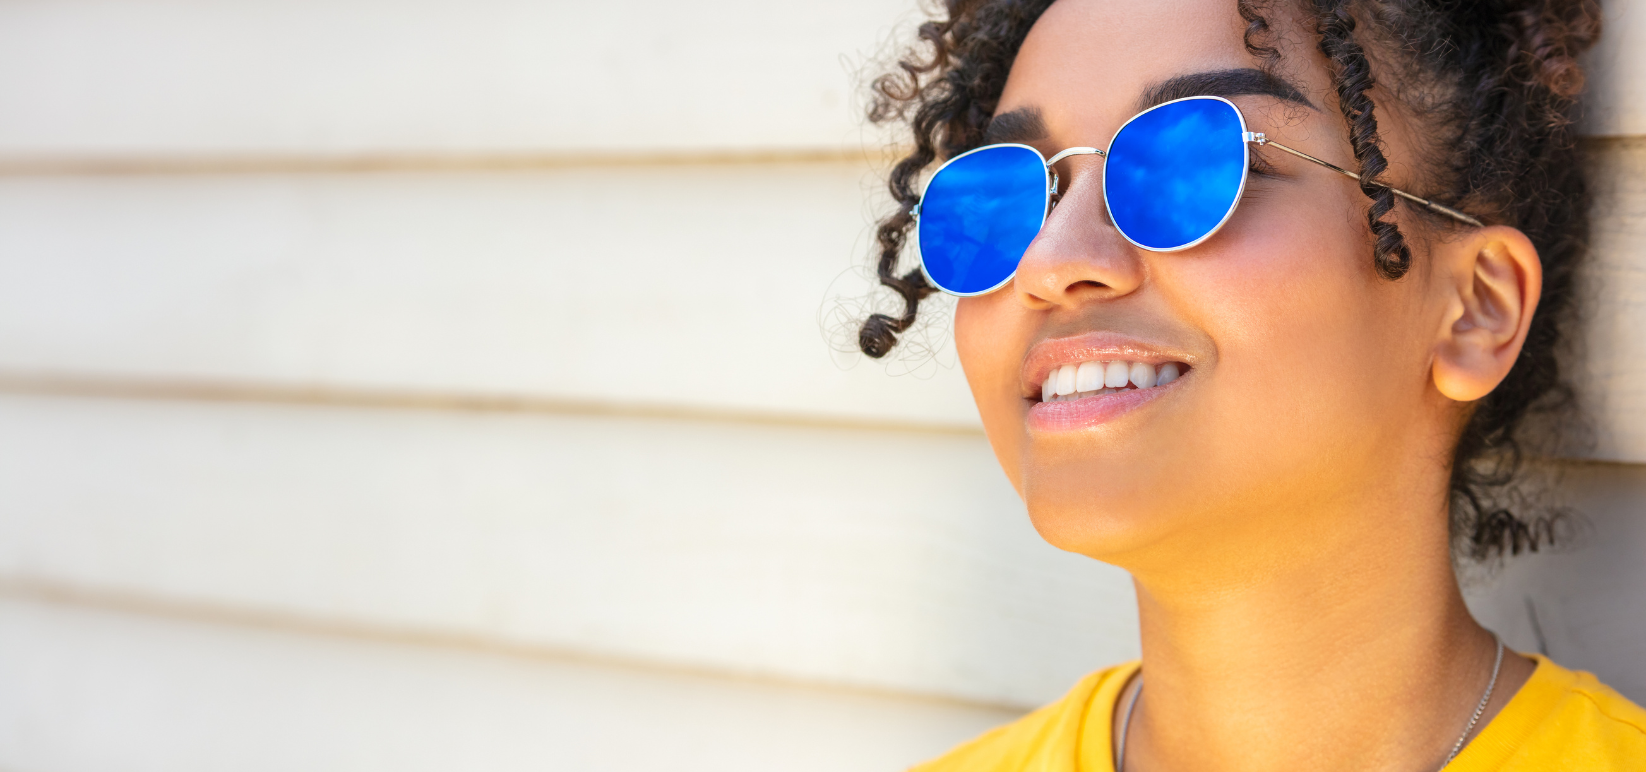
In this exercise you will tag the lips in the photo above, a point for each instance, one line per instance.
(1082, 381)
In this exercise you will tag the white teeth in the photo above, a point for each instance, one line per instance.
(1168, 373)
(1115, 374)
(1065, 380)
(1142, 374)
(1089, 377)
(1071, 382)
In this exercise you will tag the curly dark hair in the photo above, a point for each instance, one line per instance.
(1495, 80)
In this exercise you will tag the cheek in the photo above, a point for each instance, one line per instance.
(1312, 346)
(991, 343)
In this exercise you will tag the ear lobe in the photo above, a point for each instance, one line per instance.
(1493, 280)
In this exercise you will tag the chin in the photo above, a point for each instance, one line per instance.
(1098, 526)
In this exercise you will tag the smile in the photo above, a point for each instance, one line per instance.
(1097, 378)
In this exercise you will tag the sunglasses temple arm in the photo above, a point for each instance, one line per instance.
(1258, 138)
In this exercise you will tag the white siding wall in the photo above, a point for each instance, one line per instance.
(431, 385)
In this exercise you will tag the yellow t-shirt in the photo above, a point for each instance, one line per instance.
(1559, 720)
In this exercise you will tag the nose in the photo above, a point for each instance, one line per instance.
(1078, 257)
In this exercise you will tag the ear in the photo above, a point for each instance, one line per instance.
(1491, 282)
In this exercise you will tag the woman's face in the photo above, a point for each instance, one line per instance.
(1306, 382)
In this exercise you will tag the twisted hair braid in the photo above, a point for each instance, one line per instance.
(1353, 80)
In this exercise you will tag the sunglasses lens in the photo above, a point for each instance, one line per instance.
(978, 215)
(1175, 172)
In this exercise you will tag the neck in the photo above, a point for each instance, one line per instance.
(1358, 655)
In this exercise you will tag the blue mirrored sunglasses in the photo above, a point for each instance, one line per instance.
(1172, 177)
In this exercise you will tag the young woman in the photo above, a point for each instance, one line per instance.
(1283, 399)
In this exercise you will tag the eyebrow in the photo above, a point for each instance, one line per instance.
(1021, 126)
(1245, 81)
(1025, 125)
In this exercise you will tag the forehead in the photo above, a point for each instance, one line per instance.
(1086, 63)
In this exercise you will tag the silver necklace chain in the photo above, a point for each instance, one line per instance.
(1131, 705)
(1481, 708)
(1125, 724)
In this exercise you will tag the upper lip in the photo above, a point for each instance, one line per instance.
(1052, 353)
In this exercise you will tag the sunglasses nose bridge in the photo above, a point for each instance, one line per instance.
(1051, 164)
(1074, 151)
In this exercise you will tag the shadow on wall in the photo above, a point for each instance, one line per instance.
(1582, 603)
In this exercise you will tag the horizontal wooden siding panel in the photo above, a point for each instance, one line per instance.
(702, 287)
(191, 78)
(89, 690)
(891, 560)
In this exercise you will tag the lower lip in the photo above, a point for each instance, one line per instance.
(1087, 412)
